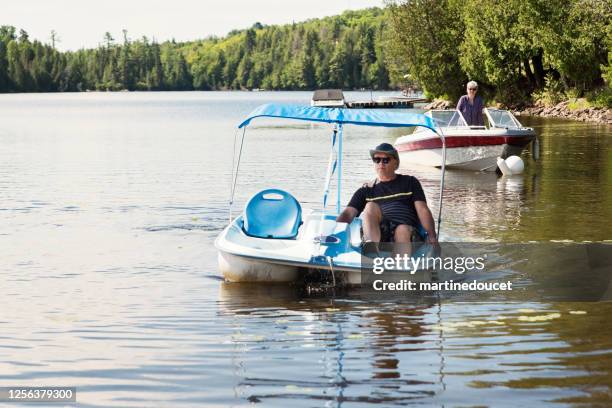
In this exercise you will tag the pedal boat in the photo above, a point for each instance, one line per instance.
(275, 240)
(473, 148)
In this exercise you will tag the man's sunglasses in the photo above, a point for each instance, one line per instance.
(385, 160)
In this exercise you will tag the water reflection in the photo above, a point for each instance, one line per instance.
(477, 205)
(110, 204)
(510, 184)
(416, 350)
(571, 361)
(360, 344)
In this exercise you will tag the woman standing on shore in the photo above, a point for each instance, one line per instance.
(471, 105)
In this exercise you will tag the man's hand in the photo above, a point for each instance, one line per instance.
(348, 215)
(427, 221)
(431, 238)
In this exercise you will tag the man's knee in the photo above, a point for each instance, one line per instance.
(403, 233)
(372, 210)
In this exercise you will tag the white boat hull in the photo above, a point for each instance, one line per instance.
(240, 269)
(475, 158)
(467, 149)
(236, 268)
(243, 258)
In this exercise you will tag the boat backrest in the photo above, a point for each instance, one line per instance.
(272, 213)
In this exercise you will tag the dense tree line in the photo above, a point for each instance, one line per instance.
(513, 48)
(31, 66)
(344, 51)
(516, 49)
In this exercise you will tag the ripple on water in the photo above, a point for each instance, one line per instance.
(186, 227)
(140, 319)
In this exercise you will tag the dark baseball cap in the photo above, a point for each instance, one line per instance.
(385, 148)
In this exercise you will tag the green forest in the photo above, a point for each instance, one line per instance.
(342, 51)
(517, 50)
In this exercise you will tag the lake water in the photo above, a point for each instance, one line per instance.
(109, 206)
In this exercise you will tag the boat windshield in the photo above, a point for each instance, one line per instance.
(447, 118)
(502, 118)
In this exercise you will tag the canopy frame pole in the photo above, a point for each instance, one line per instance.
(331, 166)
(443, 167)
(235, 172)
(339, 158)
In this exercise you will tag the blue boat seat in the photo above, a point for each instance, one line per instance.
(272, 213)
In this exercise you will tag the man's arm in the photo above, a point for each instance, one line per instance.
(460, 103)
(426, 220)
(348, 215)
(479, 114)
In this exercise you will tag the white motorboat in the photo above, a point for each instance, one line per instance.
(274, 239)
(467, 147)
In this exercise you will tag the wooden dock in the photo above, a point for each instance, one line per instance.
(386, 103)
(334, 98)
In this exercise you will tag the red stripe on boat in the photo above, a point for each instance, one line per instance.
(464, 141)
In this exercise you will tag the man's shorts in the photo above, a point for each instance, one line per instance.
(387, 231)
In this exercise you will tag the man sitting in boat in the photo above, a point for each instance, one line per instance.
(393, 205)
(471, 106)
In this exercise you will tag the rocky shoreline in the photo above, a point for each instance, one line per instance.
(439, 104)
(561, 110)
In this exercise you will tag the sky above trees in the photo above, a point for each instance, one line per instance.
(83, 24)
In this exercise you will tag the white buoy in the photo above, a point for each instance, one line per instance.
(501, 164)
(512, 165)
(515, 164)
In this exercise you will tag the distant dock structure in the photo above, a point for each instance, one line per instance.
(334, 98)
(328, 98)
(387, 102)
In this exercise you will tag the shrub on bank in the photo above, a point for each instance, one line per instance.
(575, 104)
(518, 51)
(601, 98)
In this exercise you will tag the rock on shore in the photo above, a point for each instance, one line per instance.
(562, 111)
(439, 104)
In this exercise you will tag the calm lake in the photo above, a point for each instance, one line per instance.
(109, 207)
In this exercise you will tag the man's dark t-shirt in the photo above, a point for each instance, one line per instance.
(396, 199)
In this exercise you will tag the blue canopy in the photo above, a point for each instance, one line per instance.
(364, 117)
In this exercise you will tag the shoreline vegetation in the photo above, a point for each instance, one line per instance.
(532, 56)
(575, 109)
(550, 58)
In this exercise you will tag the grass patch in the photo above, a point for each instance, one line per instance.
(601, 98)
(578, 104)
